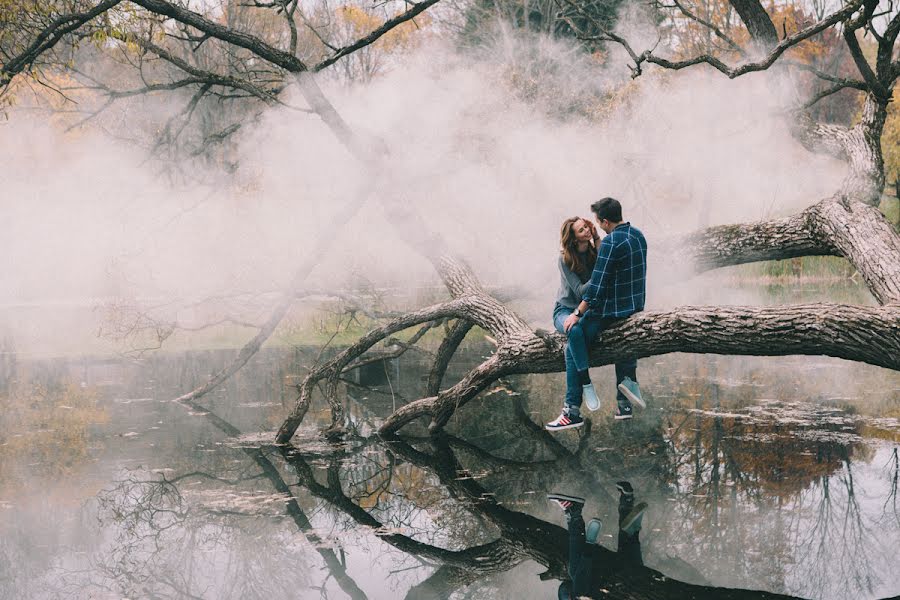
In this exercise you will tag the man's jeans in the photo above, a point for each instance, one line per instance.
(580, 336)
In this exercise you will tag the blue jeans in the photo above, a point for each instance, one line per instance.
(580, 337)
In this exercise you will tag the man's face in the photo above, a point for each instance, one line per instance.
(604, 224)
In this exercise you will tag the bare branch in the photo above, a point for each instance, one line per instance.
(417, 8)
(48, 38)
(201, 75)
(833, 90)
(865, 69)
(854, 83)
(709, 25)
(731, 72)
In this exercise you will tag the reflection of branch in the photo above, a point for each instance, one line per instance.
(336, 567)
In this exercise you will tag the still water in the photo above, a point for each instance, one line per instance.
(765, 474)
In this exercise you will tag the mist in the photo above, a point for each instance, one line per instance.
(496, 170)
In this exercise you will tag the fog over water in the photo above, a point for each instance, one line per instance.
(754, 476)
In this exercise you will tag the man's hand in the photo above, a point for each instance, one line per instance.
(569, 322)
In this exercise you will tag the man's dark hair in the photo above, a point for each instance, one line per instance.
(608, 208)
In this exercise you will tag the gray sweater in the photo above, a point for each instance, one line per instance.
(570, 286)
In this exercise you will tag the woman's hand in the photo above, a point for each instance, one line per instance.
(569, 322)
(593, 228)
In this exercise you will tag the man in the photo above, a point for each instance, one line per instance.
(617, 289)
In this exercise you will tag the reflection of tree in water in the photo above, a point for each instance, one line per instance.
(444, 505)
(773, 481)
(891, 512)
(179, 539)
(436, 510)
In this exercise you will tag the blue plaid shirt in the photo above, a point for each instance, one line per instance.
(618, 285)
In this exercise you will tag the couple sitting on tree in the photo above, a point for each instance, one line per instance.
(602, 281)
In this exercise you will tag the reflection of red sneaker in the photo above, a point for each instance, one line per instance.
(566, 502)
(564, 421)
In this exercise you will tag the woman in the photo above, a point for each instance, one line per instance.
(578, 253)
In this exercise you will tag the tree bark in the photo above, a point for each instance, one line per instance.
(445, 352)
(865, 334)
(757, 21)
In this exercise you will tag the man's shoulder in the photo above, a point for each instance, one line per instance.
(634, 232)
(624, 234)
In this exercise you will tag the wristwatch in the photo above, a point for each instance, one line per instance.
(577, 313)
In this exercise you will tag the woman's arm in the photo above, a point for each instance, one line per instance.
(572, 281)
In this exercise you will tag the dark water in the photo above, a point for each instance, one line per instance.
(769, 474)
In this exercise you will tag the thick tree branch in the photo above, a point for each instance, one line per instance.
(863, 66)
(728, 245)
(757, 22)
(278, 57)
(445, 353)
(331, 370)
(865, 334)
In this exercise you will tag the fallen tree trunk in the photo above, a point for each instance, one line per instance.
(832, 227)
(864, 334)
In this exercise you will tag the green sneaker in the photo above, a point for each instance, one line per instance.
(632, 391)
(591, 400)
(592, 531)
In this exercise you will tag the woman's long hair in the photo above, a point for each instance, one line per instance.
(581, 263)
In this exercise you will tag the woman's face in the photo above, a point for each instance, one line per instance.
(583, 231)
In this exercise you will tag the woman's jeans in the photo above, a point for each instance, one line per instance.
(580, 336)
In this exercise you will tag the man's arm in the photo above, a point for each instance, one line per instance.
(595, 288)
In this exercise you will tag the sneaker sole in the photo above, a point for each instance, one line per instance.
(637, 400)
(561, 427)
(635, 514)
(623, 417)
(566, 497)
(624, 491)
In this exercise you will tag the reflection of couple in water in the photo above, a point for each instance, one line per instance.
(601, 282)
(583, 541)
